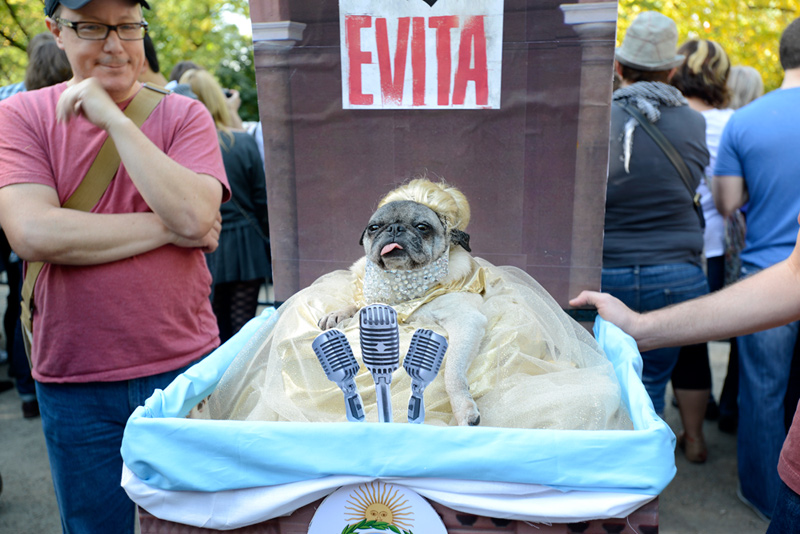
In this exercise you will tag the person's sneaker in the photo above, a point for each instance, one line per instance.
(30, 409)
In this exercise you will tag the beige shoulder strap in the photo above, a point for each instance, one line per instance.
(94, 184)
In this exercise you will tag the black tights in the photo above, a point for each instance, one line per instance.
(234, 304)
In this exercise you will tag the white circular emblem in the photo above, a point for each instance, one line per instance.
(375, 508)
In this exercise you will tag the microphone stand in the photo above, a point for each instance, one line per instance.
(380, 350)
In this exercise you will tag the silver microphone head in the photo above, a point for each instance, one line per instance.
(380, 340)
(340, 366)
(422, 363)
(380, 350)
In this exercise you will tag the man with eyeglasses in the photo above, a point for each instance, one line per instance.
(121, 306)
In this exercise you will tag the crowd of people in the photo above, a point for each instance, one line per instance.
(146, 256)
(700, 194)
(695, 152)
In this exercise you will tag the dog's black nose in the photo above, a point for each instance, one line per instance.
(396, 229)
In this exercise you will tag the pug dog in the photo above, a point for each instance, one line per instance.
(405, 235)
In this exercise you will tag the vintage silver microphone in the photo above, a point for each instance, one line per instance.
(380, 350)
(422, 363)
(340, 366)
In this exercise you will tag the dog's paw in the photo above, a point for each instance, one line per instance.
(466, 413)
(330, 320)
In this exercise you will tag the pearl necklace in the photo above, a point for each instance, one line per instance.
(395, 286)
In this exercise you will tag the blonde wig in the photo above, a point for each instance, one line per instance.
(447, 201)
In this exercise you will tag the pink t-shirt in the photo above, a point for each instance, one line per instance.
(789, 463)
(144, 315)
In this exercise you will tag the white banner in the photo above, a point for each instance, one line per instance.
(421, 54)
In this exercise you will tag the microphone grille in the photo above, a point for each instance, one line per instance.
(380, 338)
(335, 355)
(378, 315)
(425, 354)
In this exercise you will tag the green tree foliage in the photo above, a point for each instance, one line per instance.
(748, 30)
(197, 30)
(20, 20)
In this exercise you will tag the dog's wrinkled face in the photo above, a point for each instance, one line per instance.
(404, 235)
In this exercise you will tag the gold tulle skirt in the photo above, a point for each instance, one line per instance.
(536, 367)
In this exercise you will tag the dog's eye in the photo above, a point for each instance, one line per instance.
(373, 227)
(422, 227)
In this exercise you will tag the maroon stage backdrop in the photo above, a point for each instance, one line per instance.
(534, 170)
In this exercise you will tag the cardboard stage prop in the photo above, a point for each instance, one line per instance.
(226, 474)
(526, 139)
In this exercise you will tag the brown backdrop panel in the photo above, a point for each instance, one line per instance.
(534, 170)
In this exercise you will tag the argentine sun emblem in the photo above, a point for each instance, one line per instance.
(378, 506)
(375, 508)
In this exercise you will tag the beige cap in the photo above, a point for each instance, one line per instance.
(651, 43)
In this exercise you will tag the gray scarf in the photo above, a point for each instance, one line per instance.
(647, 97)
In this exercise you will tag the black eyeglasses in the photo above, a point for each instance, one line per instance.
(97, 31)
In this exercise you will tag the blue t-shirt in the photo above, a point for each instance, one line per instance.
(760, 144)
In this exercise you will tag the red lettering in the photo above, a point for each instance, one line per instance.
(443, 25)
(418, 61)
(357, 57)
(473, 39)
(392, 86)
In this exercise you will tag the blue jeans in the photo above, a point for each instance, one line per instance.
(650, 287)
(765, 360)
(787, 513)
(83, 426)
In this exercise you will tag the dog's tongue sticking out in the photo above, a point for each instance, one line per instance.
(390, 247)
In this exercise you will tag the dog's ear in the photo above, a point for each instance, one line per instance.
(459, 237)
(361, 240)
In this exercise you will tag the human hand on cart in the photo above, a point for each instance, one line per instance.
(611, 309)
